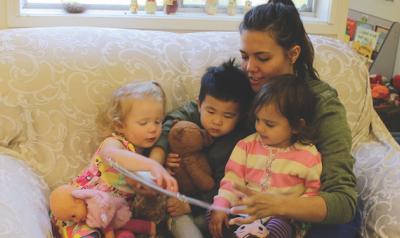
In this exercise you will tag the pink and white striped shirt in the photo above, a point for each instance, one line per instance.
(294, 170)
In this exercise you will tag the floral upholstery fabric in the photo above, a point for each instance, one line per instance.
(54, 81)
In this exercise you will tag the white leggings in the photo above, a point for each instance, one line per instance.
(186, 226)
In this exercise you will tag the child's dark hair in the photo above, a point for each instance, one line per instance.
(227, 82)
(294, 99)
(281, 19)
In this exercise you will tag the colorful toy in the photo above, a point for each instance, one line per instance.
(65, 207)
(380, 92)
(150, 7)
(255, 229)
(247, 6)
(375, 79)
(211, 7)
(171, 6)
(134, 6)
(194, 174)
(231, 8)
(396, 82)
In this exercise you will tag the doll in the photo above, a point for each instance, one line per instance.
(211, 7)
(150, 6)
(65, 207)
(171, 6)
(134, 6)
(231, 8)
(247, 6)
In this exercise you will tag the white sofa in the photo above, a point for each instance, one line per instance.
(54, 80)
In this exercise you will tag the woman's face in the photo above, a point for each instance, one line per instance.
(263, 58)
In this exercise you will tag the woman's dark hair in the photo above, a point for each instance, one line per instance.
(294, 99)
(281, 19)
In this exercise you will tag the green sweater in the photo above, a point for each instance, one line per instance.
(338, 181)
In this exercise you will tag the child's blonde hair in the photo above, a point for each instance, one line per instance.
(121, 103)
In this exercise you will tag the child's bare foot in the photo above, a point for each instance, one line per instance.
(153, 230)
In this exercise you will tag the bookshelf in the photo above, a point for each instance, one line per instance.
(383, 58)
(380, 39)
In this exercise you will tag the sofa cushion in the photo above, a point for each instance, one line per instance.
(23, 201)
(343, 69)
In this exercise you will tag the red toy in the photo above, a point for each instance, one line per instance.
(396, 82)
(375, 79)
(380, 92)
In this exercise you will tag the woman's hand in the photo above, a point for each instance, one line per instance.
(217, 220)
(256, 205)
(162, 177)
(173, 162)
(176, 207)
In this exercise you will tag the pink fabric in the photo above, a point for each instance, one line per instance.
(138, 226)
(104, 209)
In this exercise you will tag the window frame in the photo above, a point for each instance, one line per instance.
(329, 19)
(189, 7)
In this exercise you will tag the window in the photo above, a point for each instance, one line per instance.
(302, 5)
(324, 17)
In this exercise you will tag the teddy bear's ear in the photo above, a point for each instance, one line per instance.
(174, 122)
(207, 138)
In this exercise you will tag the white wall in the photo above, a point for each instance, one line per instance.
(389, 10)
(3, 7)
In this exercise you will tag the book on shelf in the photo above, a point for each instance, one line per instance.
(365, 38)
(365, 41)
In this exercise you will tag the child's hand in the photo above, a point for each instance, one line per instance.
(162, 177)
(217, 220)
(176, 207)
(173, 162)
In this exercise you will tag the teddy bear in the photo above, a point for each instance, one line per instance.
(65, 207)
(188, 140)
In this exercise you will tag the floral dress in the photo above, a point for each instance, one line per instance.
(100, 176)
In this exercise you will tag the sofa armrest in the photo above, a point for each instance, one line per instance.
(23, 201)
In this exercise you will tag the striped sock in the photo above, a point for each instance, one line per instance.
(278, 228)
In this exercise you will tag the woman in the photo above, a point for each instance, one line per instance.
(274, 42)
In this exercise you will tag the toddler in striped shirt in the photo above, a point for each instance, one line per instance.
(279, 158)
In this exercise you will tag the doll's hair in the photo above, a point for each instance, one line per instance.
(121, 103)
(294, 99)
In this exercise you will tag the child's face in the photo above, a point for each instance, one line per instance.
(142, 124)
(273, 127)
(218, 117)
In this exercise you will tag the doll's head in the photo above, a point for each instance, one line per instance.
(136, 112)
(65, 207)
